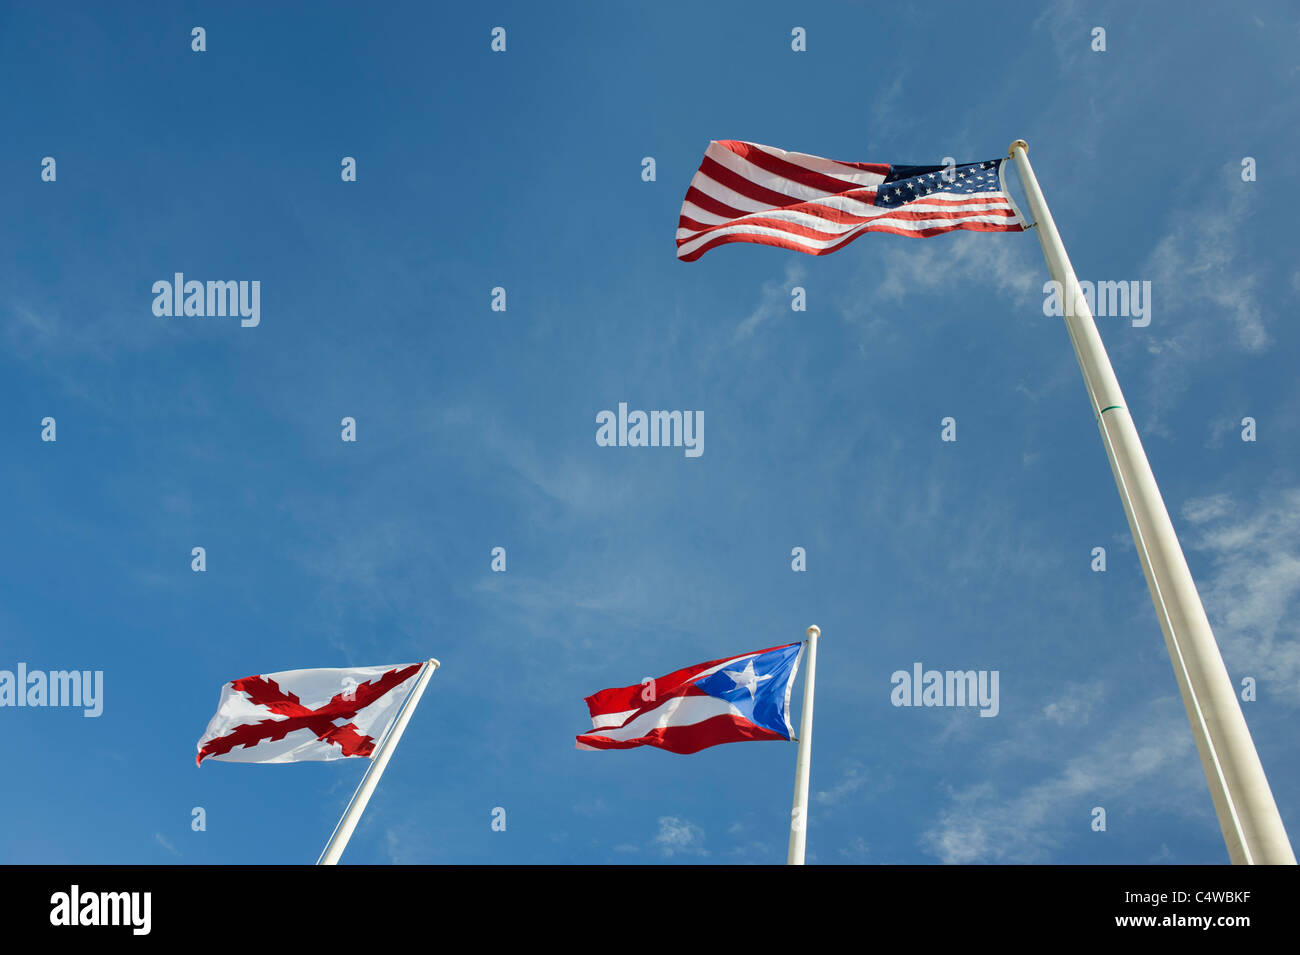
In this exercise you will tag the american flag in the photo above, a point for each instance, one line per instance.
(744, 192)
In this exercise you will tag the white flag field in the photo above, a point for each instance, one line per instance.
(297, 715)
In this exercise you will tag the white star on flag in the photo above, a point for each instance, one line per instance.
(747, 677)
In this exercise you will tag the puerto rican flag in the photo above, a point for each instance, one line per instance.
(723, 701)
(298, 715)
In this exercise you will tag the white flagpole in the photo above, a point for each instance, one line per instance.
(378, 760)
(799, 814)
(1248, 816)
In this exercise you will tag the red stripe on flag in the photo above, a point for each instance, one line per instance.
(703, 200)
(788, 170)
(794, 228)
(691, 738)
(746, 187)
(879, 168)
(623, 698)
(876, 225)
(710, 204)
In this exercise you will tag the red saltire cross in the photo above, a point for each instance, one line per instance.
(320, 721)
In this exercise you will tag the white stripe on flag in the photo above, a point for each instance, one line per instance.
(675, 711)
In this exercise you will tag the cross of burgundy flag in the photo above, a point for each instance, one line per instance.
(306, 714)
(723, 701)
(744, 192)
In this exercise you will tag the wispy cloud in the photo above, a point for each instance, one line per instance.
(853, 779)
(1069, 33)
(774, 302)
(679, 836)
(1202, 273)
(162, 841)
(1253, 595)
(1220, 426)
(1148, 757)
(1201, 264)
(856, 850)
(898, 271)
(591, 806)
(1076, 704)
(886, 117)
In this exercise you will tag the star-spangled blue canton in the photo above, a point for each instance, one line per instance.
(905, 183)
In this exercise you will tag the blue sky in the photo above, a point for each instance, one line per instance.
(476, 428)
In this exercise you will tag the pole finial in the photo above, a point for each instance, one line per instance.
(1011, 150)
(814, 631)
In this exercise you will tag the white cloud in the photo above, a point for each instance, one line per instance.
(1220, 427)
(1148, 759)
(590, 806)
(1204, 296)
(678, 836)
(953, 262)
(1253, 595)
(886, 117)
(1200, 265)
(1076, 704)
(856, 850)
(1208, 508)
(1071, 34)
(852, 780)
(158, 838)
(774, 302)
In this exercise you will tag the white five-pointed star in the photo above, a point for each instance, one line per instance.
(747, 678)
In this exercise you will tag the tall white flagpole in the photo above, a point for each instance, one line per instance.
(1248, 816)
(378, 760)
(799, 814)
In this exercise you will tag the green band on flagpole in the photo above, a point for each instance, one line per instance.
(1108, 408)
